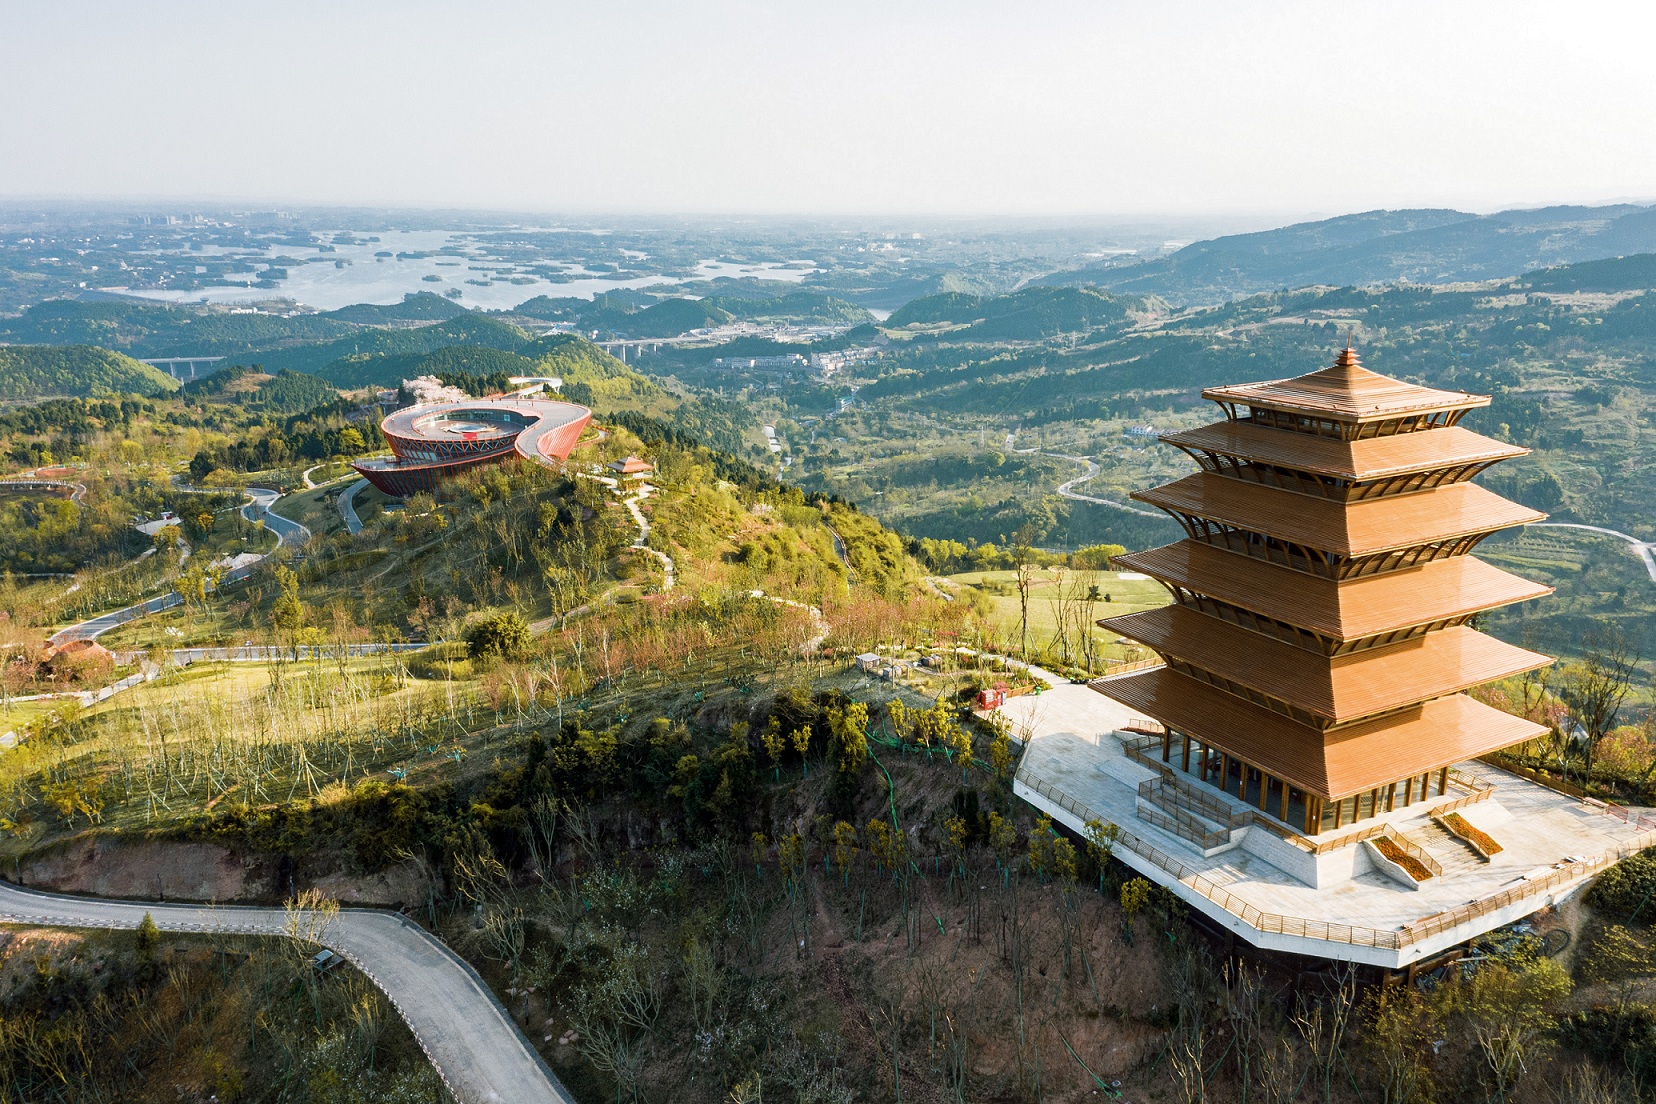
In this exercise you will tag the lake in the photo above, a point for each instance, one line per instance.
(365, 278)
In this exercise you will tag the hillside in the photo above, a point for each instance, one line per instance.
(35, 371)
(416, 306)
(466, 328)
(390, 369)
(159, 330)
(1427, 246)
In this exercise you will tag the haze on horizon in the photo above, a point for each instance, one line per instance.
(1115, 110)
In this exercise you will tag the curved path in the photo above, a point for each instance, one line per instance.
(1643, 548)
(77, 491)
(471, 1040)
(258, 508)
(1067, 489)
(347, 507)
(642, 542)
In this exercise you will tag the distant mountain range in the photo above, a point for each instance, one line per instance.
(1426, 246)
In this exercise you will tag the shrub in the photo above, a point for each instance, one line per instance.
(503, 634)
(1620, 891)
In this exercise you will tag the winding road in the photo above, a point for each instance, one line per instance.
(1067, 489)
(471, 1040)
(258, 508)
(1643, 548)
(347, 506)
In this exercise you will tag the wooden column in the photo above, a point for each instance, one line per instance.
(1167, 745)
(1408, 790)
(1185, 763)
(1391, 797)
(1339, 813)
(1284, 816)
(1224, 772)
(1264, 789)
(1443, 781)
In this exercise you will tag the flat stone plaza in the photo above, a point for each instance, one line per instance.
(1339, 904)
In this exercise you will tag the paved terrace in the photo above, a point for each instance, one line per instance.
(1075, 768)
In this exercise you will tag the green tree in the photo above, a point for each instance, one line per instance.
(287, 613)
(147, 938)
(503, 634)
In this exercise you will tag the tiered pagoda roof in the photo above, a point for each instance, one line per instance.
(1319, 639)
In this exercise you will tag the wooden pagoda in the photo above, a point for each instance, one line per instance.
(1318, 647)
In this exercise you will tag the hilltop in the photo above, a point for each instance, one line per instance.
(1425, 246)
(39, 371)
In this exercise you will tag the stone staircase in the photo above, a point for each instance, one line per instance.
(1174, 805)
(1451, 852)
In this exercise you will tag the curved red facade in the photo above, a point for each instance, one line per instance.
(434, 442)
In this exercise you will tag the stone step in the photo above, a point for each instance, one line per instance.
(1451, 852)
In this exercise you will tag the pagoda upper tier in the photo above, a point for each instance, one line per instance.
(1319, 646)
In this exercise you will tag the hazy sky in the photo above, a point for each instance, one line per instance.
(836, 107)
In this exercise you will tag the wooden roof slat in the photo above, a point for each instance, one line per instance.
(1341, 689)
(1332, 765)
(1346, 392)
(1361, 528)
(1367, 459)
(1348, 610)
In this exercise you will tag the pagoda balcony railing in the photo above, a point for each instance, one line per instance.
(1317, 561)
(1335, 488)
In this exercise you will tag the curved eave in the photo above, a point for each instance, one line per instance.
(1338, 690)
(1343, 610)
(1363, 528)
(1370, 458)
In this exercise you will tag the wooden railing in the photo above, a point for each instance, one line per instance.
(1354, 935)
(1189, 797)
(1113, 669)
(1184, 825)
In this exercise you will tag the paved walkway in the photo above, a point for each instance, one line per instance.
(642, 542)
(470, 1039)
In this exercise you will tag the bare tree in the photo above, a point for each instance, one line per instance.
(1024, 555)
(1595, 688)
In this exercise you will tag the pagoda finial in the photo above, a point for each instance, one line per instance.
(1348, 356)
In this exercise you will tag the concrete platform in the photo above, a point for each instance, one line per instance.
(1337, 905)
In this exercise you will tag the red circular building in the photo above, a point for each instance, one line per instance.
(436, 441)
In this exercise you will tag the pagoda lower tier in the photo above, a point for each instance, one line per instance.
(1314, 779)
